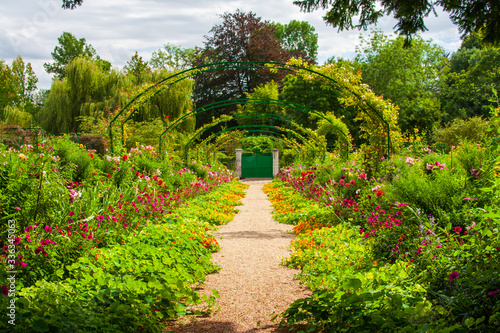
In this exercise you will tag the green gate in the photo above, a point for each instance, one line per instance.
(258, 165)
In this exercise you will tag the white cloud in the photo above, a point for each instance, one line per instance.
(117, 28)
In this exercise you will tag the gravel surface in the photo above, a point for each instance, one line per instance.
(252, 283)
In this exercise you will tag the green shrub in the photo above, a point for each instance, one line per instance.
(473, 130)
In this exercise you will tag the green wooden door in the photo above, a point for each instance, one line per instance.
(259, 165)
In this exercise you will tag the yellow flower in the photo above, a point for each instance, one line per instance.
(22, 157)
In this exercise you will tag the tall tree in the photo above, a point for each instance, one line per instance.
(407, 76)
(6, 86)
(24, 80)
(468, 15)
(69, 48)
(172, 57)
(240, 37)
(138, 68)
(299, 39)
(469, 80)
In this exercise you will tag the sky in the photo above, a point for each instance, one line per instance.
(119, 28)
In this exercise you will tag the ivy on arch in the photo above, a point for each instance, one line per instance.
(358, 94)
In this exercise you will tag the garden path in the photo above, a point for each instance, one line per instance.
(252, 283)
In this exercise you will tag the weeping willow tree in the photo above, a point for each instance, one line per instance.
(16, 115)
(89, 96)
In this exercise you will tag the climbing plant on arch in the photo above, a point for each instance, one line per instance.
(378, 116)
(249, 134)
(334, 127)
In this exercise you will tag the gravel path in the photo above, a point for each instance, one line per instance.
(252, 283)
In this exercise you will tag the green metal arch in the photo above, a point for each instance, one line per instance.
(236, 116)
(261, 101)
(155, 88)
(244, 127)
(209, 151)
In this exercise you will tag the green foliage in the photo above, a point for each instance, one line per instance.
(335, 131)
(171, 57)
(468, 16)
(299, 39)
(69, 49)
(124, 247)
(414, 248)
(240, 37)
(406, 76)
(262, 143)
(466, 87)
(24, 80)
(89, 98)
(137, 68)
(269, 90)
(473, 130)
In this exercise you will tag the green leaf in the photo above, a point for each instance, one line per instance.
(352, 284)
(469, 322)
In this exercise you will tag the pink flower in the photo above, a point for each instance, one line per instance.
(5, 290)
(125, 224)
(466, 199)
(453, 276)
(71, 213)
(409, 161)
(342, 182)
(457, 229)
(430, 166)
(48, 229)
(491, 293)
(39, 250)
(352, 182)
(18, 208)
(100, 218)
(16, 241)
(362, 175)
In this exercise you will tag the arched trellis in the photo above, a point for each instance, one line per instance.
(246, 128)
(182, 75)
(261, 101)
(202, 130)
(281, 137)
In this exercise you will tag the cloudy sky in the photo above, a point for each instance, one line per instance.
(118, 28)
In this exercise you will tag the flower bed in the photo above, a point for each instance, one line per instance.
(415, 247)
(106, 243)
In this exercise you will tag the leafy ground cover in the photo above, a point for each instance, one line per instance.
(413, 246)
(106, 243)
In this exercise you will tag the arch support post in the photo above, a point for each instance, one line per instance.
(276, 161)
(239, 152)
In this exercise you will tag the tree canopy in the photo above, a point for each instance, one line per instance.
(240, 37)
(407, 76)
(299, 39)
(469, 79)
(468, 15)
(71, 4)
(69, 48)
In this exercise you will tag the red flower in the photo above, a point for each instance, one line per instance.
(453, 276)
(91, 155)
(379, 193)
(109, 176)
(125, 157)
